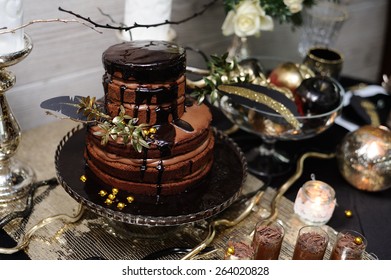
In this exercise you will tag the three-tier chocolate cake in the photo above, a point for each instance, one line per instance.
(147, 80)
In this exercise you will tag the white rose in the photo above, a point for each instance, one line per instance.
(247, 19)
(294, 6)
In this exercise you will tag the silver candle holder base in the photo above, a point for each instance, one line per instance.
(16, 178)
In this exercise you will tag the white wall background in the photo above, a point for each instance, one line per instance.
(66, 59)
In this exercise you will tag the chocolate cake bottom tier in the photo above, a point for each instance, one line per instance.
(152, 171)
(153, 189)
(187, 159)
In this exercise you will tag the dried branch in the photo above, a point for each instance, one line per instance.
(45, 21)
(109, 17)
(137, 25)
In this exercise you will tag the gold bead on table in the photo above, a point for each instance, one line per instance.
(230, 250)
(348, 213)
(83, 178)
(111, 196)
(114, 191)
(108, 201)
(121, 205)
(130, 199)
(358, 240)
(102, 193)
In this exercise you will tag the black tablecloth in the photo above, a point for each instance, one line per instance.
(371, 211)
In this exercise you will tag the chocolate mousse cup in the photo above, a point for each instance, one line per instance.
(239, 248)
(350, 245)
(267, 240)
(311, 244)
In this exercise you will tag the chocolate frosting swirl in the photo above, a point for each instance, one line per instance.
(312, 242)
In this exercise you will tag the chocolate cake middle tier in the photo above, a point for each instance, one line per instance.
(152, 103)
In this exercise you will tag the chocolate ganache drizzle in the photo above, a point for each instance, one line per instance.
(145, 61)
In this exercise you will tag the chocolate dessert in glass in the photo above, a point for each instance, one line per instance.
(239, 248)
(350, 245)
(311, 243)
(267, 240)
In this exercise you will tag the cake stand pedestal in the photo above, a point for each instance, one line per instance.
(15, 177)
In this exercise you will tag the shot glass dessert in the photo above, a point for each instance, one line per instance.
(239, 248)
(311, 243)
(267, 240)
(350, 245)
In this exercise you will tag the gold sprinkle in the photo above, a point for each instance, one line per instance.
(130, 199)
(121, 205)
(114, 191)
(146, 131)
(358, 240)
(230, 250)
(263, 99)
(348, 213)
(102, 193)
(152, 130)
(83, 178)
(108, 201)
(111, 196)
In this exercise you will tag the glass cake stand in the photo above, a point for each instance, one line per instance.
(214, 194)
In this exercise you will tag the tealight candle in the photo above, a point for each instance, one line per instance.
(315, 202)
(11, 16)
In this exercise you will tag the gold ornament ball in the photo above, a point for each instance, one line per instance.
(111, 196)
(130, 199)
(364, 158)
(114, 191)
(289, 75)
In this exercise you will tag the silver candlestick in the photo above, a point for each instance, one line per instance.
(15, 178)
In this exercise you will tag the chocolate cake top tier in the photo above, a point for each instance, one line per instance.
(145, 61)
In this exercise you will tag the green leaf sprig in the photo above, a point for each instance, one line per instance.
(123, 125)
(221, 72)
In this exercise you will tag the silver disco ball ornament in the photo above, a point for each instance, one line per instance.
(364, 158)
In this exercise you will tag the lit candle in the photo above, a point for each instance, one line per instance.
(147, 12)
(315, 202)
(11, 16)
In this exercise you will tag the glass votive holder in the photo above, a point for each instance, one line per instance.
(267, 240)
(349, 245)
(315, 202)
(311, 243)
(239, 248)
